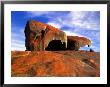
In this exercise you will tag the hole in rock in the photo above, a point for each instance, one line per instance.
(71, 45)
(55, 45)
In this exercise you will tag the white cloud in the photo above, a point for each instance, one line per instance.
(82, 19)
(76, 15)
(69, 33)
(77, 22)
(18, 47)
(17, 44)
(17, 39)
(54, 24)
(74, 22)
(17, 32)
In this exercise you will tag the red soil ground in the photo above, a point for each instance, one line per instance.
(55, 64)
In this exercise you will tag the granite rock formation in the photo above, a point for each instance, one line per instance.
(75, 42)
(43, 58)
(55, 64)
(40, 36)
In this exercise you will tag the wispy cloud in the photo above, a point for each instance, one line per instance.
(79, 19)
(18, 47)
(57, 25)
(17, 39)
(76, 23)
(69, 33)
(17, 44)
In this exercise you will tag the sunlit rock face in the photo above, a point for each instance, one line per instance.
(38, 36)
(75, 42)
(55, 64)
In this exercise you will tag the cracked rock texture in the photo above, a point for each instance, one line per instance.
(51, 53)
(40, 36)
(55, 64)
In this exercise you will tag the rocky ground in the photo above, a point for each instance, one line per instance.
(55, 64)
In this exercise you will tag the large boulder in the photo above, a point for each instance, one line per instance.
(38, 36)
(75, 42)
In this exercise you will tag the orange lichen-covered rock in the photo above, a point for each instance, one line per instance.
(75, 42)
(38, 35)
(55, 64)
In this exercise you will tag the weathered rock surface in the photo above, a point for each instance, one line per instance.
(75, 42)
(39, 35)
(36, 62)
(55, 64)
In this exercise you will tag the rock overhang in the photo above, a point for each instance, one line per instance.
(39, 35)
(36, 40)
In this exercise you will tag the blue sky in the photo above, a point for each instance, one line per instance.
(76, 23)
